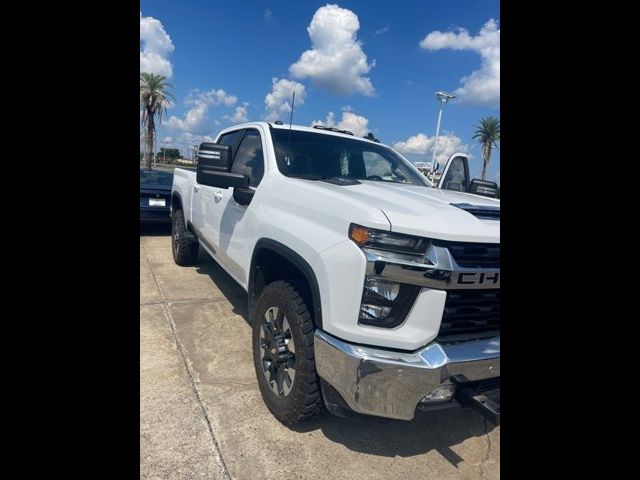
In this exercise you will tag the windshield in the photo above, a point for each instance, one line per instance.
(319, 156)
(155, 177)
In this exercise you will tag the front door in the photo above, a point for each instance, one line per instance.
(236, 227)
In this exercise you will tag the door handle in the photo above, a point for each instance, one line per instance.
(217, 196)
(196, 188)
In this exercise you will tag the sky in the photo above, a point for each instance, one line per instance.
(365, 66)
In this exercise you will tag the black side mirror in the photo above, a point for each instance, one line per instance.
(214, 163)
(243, 195)
(484, 187)
(215, 156)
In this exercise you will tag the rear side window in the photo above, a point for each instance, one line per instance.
(249, 160)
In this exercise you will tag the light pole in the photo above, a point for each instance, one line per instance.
(164, 150)
(444, 97)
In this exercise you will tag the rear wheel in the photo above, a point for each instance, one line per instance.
(283, 354)
(184, 245)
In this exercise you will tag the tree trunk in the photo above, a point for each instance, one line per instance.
(486, 157)
(149, 134)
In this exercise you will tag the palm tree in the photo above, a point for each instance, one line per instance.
(154, 101)
(488, 135)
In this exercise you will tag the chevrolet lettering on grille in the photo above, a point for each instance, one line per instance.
(479, 278)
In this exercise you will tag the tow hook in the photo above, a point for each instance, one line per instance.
(483, 396)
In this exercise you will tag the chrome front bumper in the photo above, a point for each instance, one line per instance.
(391, 384)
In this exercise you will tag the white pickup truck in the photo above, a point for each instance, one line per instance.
(370, 291)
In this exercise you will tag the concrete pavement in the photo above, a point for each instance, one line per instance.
(201, 414)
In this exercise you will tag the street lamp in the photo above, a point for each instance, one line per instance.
(444, 97)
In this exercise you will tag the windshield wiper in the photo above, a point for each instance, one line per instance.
(335, 180)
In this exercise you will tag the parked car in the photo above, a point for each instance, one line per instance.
(369, 290)
(155, 195)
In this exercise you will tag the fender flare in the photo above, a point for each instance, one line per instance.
(299, 262)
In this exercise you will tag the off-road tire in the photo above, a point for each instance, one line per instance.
(184, 245)
(304, 401)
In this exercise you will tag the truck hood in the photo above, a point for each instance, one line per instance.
(424, 211)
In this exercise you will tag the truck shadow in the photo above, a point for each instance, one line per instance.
(437, 431)
(233, 292)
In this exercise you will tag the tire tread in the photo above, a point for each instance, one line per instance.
(307, 401)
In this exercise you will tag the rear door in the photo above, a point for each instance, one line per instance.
(207, 208)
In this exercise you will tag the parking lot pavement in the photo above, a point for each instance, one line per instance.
(202, 415)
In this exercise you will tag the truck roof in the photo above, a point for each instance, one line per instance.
(303, 128)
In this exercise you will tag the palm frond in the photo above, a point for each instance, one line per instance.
(155, 98)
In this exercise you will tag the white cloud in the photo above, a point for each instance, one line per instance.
(421, 144)
(336, 61)
(211, 97)
(190, 139)
(482, 87)
(268, 15)
(239, 115)
(382, 30)
(277, 103)
(417, 144)
(195, 120)
(156, 47)
(356, 124)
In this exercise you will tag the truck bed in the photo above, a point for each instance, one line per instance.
(183, 181)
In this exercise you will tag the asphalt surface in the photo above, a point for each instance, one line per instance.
(202, 417)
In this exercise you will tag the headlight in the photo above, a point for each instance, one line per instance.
(380, 288)
(381, 240)
(386, 304)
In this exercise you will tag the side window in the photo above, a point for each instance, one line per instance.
(249, 160)
(232, 139)
(456, 178)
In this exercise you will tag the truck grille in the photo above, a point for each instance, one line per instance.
(470, 314)
(475, 255)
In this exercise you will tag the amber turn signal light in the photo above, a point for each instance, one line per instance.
(358, 234)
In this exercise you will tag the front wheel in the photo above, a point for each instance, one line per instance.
(283, 354)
